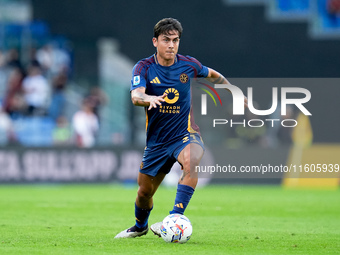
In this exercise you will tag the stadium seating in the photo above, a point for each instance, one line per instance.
(323, 23)
(34, 131)
(24, 35)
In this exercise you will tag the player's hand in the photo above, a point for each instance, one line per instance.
(156, 100)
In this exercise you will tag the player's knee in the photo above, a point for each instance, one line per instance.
(195, 159)
(191, 161)
(144, 193)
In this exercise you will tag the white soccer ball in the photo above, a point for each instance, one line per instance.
(176, 228)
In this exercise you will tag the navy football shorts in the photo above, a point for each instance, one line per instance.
(161, 159)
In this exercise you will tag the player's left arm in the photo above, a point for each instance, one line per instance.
(218, 78)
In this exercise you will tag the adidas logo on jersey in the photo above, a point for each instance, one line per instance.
(155, 80)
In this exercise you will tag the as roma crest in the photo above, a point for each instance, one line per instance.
(184, 78)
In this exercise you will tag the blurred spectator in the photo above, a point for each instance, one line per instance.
(53, 60)
(249, 134)
(276, 133)
(7, 134)
(333, 7)
(32, 54)
(62, 132)
(85, 125)
(98, 98)
(58, 100)
(13, 58)
(61, 62)
(36, 91)
(329, 13)
(241, 131)
(45, 58)
(3, 73)
(14, 103)
(2, 59)
(284, 134)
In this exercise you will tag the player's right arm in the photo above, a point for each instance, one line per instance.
(140, 98)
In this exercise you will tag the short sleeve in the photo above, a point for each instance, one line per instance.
(201, 70)
(138, 76)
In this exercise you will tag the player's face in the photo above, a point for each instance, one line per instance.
(167, 47)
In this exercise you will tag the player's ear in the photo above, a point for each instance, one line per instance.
(155, 41)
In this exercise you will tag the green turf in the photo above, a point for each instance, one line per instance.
(226, 220)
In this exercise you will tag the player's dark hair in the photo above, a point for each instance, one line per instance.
(164, 26)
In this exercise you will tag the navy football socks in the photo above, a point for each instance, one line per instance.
(142, 216)
(183, 196)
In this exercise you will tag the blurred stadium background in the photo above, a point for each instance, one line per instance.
(86, 50)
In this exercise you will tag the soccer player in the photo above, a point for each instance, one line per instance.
(161, 84)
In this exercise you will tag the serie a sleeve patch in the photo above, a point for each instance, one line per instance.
(136, 80)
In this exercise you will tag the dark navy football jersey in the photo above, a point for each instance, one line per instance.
(173, 119)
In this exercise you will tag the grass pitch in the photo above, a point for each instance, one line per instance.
(226, 220)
